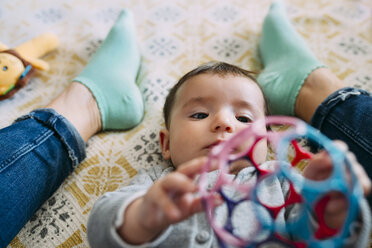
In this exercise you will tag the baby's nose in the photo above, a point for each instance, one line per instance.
(223, 124)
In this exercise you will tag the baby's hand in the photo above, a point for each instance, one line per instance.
(320, 168)
(170, 200)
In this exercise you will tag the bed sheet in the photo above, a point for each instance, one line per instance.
(174, 36)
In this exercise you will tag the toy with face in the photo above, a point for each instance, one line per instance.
(11, 69)
(17, 65)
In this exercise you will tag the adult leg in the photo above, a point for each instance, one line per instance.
(297, 84)
(317, 87)
(42, 148)
(38, 152)
(339, 112)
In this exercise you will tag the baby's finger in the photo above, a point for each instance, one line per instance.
(341, 145)
(168, 208)
(336, 210)
(190, 204)
(177, 183)
(357, 168)
(319, 168)
(337, 203)
(193, 167)
(194, 204)
(360, 173)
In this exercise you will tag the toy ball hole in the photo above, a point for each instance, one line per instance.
(234, 221)
(338, 204)
(256, 229)
(253, 148)
(232, 193)
(5, 68)
(273, 199)
(239, 164)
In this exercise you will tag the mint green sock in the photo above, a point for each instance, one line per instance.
(287, 61)
(110, 76)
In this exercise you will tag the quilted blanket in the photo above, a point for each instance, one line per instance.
(174, 36)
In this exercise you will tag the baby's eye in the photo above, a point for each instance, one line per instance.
(5, 68)
(243, 119)
(199, 116)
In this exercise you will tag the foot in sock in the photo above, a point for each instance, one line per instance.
(110, 76)
(287, 61)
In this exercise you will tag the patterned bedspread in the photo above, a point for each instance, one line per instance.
(174, 36)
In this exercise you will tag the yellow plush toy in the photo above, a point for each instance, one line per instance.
(18, 65)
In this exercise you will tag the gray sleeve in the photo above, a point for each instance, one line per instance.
(101, 224)
(108, 211)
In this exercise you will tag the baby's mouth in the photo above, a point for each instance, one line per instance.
(214, 144)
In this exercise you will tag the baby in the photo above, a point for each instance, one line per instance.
(207, 106)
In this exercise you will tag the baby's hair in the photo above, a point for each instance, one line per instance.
(214, 67)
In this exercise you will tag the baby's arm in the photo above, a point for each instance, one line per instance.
(106, 213)
(170, 200)
(319, 168)
(140, 214)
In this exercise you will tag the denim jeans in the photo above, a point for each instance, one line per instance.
(38, 151)
(347, 115)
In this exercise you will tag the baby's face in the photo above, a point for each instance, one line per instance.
(209, 109)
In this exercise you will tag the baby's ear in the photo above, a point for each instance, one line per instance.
(164, 143)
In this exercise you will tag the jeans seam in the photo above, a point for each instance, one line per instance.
(25, 149)
(71, 153)
(339, 126)
(52, 124)
(343, 95)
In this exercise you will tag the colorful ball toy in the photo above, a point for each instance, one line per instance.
(306, 197)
